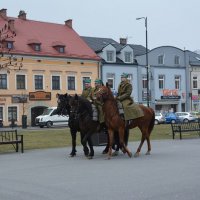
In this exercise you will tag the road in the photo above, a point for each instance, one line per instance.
(171, 172)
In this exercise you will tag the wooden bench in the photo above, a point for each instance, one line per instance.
(12, 137)
(185, 127)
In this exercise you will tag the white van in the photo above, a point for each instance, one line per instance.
(49, 118)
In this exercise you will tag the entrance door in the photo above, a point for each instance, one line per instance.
(36, 111)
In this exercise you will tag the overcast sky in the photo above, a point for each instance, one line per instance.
(170, 22)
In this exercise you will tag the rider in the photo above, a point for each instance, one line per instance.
(124, 96)
(98, 83)
(87, 91)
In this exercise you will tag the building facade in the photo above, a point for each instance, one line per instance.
(55, 60)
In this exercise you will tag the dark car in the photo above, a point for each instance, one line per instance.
(171, 118)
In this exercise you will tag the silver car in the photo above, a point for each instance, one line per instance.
(186, 117)
(159, 118)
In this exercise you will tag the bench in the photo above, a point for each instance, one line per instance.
(185, 127)
(12, 137)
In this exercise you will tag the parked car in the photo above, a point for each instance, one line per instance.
(171, 118)
(187, 117)
(159, 118)
(50, 118)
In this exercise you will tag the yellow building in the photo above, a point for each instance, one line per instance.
(55, 60)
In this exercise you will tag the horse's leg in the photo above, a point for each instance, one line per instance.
(121, 138)
(148, 145)
(105, 131)
(91, 154)
(116, 143)
(140, 146)
(84, 143)
(110, 132)
(73, 135)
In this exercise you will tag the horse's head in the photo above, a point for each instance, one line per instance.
(104, 93)
(63, 107)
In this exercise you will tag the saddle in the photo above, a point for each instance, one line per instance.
(132, 111)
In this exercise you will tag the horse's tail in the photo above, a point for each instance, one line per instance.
(152, 122)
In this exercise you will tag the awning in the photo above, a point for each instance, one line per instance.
(166, 102)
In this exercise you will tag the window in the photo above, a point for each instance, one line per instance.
(21, 82)
(61, 49)
(161, 59)
(3, 81)
(12, 113)
(176, 60)
(10, 45)
(194, 82)
(55, 82)
(161, 81)
(128, 57)
(71, 83)
(38, 82)
(1, 113)
(110, 82)
(144, 82)
(84, 78)
(177, 82)
(110, 56)
(37, 47)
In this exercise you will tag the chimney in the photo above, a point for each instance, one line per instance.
(68, 23)
(3, 13)
(11, 24)
(123, 41)
(22, 15)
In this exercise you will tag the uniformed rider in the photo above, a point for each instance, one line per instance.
(87, 91)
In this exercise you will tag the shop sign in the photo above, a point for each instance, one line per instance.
(39, 96)
(19, 99)
(170, 94)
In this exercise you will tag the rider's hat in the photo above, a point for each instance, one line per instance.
(87, 80)
(98, 81)
(124, 75)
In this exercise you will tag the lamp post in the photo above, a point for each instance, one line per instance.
(147, 68)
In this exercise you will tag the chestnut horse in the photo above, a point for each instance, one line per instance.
(116, 123)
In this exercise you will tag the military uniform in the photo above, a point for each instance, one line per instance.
(131, 110)
(87, 91)
(98, 105)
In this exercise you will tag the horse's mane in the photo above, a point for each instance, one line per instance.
(85, 104)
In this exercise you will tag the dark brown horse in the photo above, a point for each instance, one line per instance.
(116, 123)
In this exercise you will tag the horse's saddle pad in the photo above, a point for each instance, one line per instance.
(133, 111)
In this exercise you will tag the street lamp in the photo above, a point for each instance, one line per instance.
(147, 68)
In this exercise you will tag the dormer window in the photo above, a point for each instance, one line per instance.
(9, 45)
(37, 47)
(177, 60)
(61, 49)
(110, 56)
(34, 44)
(59, 46)
(161, 59)
(128, 57)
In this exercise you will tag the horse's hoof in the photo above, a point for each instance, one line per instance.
(148, 153)
(72, 154)
(130, 155)
(116, 153)
(105, 151)
(136, 154)
(90, 157)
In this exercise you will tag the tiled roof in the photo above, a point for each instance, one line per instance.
(48, 34)
(97, 44)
